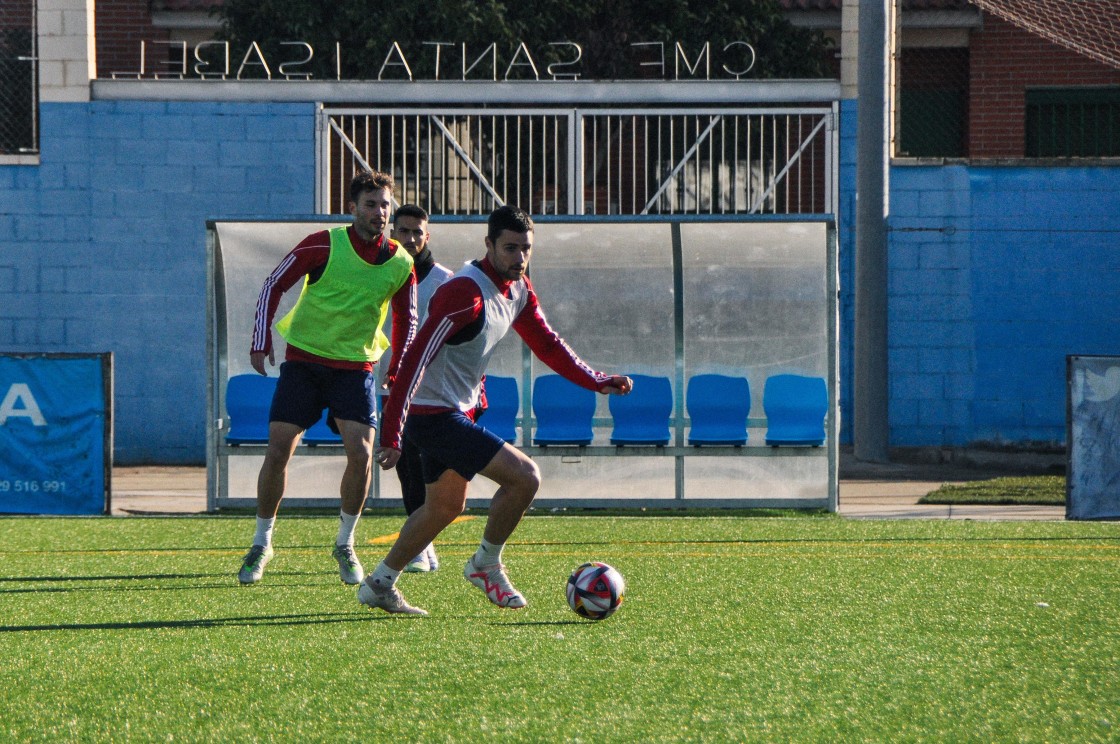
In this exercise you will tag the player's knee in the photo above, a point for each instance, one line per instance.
(447, 507)
(360, 458)
(528, 476)
(276, 457)
(514, 472)
(456, 509)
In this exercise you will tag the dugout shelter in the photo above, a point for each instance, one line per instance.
(686, 233)
(672, 299)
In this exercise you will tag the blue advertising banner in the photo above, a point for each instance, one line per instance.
(54, 433)
(1093, 437)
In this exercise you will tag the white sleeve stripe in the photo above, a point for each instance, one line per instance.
(435, 343)
(415, 314)
(260, 327)
(597, 376)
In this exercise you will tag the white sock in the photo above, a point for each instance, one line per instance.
(383, 576)
(488, 554)
(264, 531)
(346, 525)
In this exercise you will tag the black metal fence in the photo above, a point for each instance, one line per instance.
(19, 89)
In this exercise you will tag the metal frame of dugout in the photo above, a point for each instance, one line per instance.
(676, 297)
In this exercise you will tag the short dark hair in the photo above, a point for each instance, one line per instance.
(514, 219)
(410, 210)
(369, 181)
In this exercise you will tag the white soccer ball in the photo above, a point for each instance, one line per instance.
(595, 590)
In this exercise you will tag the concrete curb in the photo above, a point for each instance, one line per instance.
(894, 494)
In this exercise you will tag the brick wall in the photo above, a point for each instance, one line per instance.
(18, 14)
(121, 26)
(1005, 59)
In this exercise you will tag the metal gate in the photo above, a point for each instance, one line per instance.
(641, 161)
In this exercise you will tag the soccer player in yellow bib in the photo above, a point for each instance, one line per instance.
(351, 277)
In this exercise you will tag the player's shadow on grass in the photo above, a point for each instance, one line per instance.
(128, 577)
(540, 622)
(201, 623)
(66, 584)
(238, 550)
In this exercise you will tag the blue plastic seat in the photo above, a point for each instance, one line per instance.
(718, 407)
(642, 417)
(248, 398)
(320, 433)
(795, 409)
(503, 403)
(564, 411)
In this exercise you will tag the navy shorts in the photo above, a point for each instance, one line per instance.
(305, 389)
(451, 441)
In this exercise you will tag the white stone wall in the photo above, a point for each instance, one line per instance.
(67, 56)
(849, 43)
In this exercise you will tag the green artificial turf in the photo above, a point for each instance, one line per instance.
(732, 629)
(1039, 489)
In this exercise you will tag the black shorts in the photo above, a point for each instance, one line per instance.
(305, 389)
(451, 441)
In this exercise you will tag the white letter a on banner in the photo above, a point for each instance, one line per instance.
(20, 393)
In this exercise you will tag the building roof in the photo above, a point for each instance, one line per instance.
(182, 5)
(196, 5)
(906, 4)
(185, 5)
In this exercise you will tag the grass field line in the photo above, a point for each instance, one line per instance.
(1001, 542)
(379, 540)
(739, 555)
(386, 539)
(616, 555)
(688, 548)
(822, 547)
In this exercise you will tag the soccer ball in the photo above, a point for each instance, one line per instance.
(595, 590)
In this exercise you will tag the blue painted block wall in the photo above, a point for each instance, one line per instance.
(103, 244)
(931, 350)
(996, 273)
(1045, 284)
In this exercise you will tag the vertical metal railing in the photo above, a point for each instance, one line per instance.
(617, 162)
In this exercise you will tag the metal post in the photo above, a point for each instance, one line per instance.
(871, 432)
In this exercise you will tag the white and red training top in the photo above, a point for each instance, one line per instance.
(457, 317)
(309, 258)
